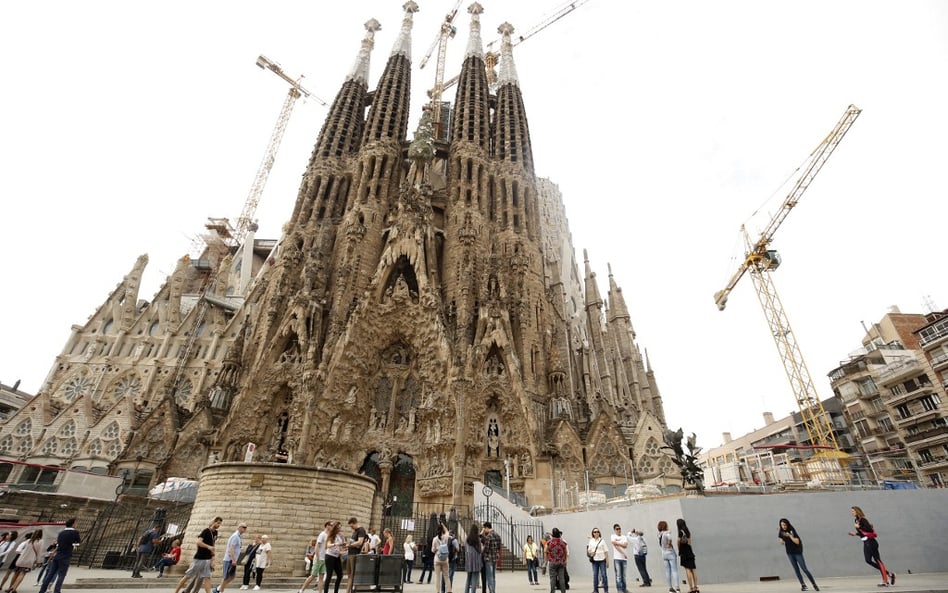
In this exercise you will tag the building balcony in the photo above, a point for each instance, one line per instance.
(933, 463)
(898, 371)
(940, 362)
(896, 400)
(931, 436)
(934, 336)
(919, 417)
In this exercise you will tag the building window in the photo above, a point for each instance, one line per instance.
(885, 423)
(867, 386)
(68, 429)
(24, 428)
(930, 402)
(903, 411)
(877, 405)
(897, 390)
(111, 431)
(926, 456)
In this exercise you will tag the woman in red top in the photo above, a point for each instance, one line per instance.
(389, 544)
(870, 547)
(170, 558)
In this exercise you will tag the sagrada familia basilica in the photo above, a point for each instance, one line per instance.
(422, 320)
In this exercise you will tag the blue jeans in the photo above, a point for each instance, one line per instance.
(670, 560)
(56, 571)
(600, 575)
(798, 564)
(471, 585)
(619, 566)
(532, 570)
(490, 575)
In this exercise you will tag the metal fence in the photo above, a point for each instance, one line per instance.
(112, 540)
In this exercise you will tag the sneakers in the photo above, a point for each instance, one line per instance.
(213, 589)
(802, 588)
(891, 578)
(244, 587)
(256, 587)
(816, 587)
(883, 585)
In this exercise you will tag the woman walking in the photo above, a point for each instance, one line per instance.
(335, 547)
(410, 548)
(27, 557)
(870, 546)
(531, 553)
(597, 552)
(669, 557)
(793, 544)
(687, 556)
(263, 560)
(472, 558)
(251, 558)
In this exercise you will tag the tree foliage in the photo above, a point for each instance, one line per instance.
(687, 462)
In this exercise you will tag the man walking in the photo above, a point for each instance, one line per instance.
(557, 553)
(490, 544)
(639, 550)
(146, 545)
(619, 556)
(59, 565)
(200, 569)
(231, 554)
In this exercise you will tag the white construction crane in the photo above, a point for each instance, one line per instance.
(491, 56)
(760, 260)
(276, 137)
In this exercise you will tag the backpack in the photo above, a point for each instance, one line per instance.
(443, 551)
(452, 549)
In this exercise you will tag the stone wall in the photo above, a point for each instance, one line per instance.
(735, 536)
(289, 503)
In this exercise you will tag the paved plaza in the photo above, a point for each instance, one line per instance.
(109, 581)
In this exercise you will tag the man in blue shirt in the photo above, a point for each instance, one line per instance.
(59, 565)
(231, 555)
(146, 546)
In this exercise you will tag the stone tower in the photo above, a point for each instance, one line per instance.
(422, 320)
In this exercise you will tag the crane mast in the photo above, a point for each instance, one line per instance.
(441, 42)
(760, 261)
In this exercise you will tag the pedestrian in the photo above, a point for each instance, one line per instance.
(427, 563)
(169, 558)
(318, 571)
(388, 541)
(870, 545)
(6, 544)
(59, 565)
(490, 546)
(250, 561)
(47, 557)
(544, 539)
(557, 553)
(374, 542)
(597, 552)
(620, 556)
(687, 556)
(793, 545)
(309, 554)
(531, 553)
(263, 560)
(441, 548)
(472, 558)
(231, 556)
(146, 545)
(358, 539)
(200, 569)
(639, 552)
(9, 556)
(335, 549)
(454, 550)
(410, 548)
(669, 558)
(28, 555)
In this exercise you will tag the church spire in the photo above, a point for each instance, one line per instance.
(617, 306)
(360, 69)
(388, 117)
(511, 132)
(471, 109)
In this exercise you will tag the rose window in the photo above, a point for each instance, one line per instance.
(69, 447)
(115, 449)
(24, 428)
(651, 447)
(68, 429)
(111, 431)
(25, 445)
(6, 445)
(95, 448)
(127, 387)
(50, 447)
(76, 387)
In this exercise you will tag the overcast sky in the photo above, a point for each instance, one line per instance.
(666, 125)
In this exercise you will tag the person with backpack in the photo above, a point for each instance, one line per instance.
(441, 548)
(557, 553)
(146, 545)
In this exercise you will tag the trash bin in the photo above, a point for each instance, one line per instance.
(390, 571)
(365, 573)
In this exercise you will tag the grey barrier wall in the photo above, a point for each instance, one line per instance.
(735, 537)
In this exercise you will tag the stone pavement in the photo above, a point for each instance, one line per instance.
(94, 580)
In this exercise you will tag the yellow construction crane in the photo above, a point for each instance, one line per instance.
(491, 56)
(759, 261)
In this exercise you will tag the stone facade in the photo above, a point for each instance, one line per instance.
(422, 320)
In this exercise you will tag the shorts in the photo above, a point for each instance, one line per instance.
(23, 569)
(200, 569)
(319, 567)
(230, 569)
